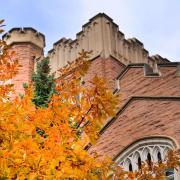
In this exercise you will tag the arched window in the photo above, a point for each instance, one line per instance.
(149, 160)
(144, 153)
(139, 163)
(152, 149)
(130, 167)
(136, 159)
(159, 157)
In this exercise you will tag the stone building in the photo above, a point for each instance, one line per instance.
(147, 124)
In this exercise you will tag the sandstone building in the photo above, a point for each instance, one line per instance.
(147, 124)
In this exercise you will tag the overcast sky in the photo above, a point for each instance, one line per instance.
(154, 22)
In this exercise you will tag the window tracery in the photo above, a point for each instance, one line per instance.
(152, 149)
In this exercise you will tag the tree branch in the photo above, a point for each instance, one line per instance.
(85, 116)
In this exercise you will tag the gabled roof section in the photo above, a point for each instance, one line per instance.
(133, 98)
(144, 65)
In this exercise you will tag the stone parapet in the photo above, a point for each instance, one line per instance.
(29, 46)
(25, 35)
(101, 36)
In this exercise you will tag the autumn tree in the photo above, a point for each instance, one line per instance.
(8, 68)
(72, 119)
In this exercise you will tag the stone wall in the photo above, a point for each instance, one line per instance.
(141, 118)
(134, 82)
(108, 69)
(149, 106)
(26, 54)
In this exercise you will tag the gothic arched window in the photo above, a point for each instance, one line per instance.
(159, 157)
(152, 149)
(130, 167)
(139, 163)
(149, 159)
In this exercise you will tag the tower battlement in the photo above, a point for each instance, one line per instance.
(22, 35)
(28, 44)
(101, 36)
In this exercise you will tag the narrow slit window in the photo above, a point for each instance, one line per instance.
(149, 160)
(130, 167)
(159, 157)
(139, 163)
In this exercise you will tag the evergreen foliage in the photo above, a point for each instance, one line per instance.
(44, 84)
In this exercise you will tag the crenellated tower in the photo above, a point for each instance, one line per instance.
(28, 45)
(102, 36)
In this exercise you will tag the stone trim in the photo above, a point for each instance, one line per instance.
(173, 143)
(117, 60)
(26, 34)
(156, 147)
(141, 65)
(26, 42)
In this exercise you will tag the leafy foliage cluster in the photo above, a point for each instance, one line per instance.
(69, 122)
(8, 67)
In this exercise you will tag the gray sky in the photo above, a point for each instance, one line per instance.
(154, 22)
